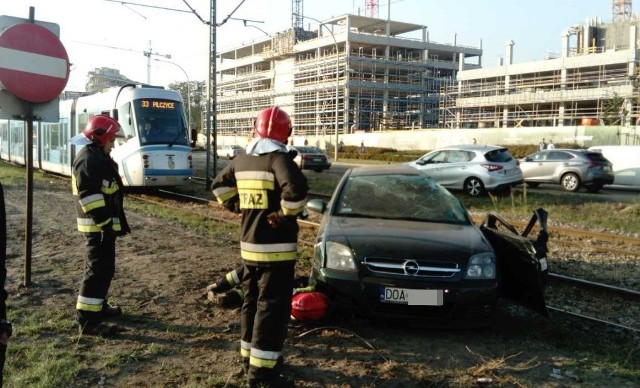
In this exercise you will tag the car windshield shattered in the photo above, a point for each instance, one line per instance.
(399, 197)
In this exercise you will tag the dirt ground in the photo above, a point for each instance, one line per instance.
(175, 337)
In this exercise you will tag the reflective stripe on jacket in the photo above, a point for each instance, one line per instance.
(264, 184)
(97, 188)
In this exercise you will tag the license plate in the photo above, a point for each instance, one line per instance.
(171, 179)
(411, 297)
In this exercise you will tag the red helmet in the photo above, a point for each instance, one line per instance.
(273, 123)
(309, 306)
(101, 128)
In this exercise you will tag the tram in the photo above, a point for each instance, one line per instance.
(156, 149)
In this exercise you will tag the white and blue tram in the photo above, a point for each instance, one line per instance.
(155, 151)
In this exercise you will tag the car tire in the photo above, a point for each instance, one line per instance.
(533, 185)
(473, 187)
(570, 182)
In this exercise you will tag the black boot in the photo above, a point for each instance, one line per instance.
(111, 311)
(98, 329)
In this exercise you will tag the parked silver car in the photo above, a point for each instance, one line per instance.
(474, 169)
(571, 168)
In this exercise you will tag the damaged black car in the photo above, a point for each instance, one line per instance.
(394, 243)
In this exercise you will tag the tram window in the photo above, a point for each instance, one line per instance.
(126, 120)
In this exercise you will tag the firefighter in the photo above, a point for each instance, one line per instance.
(225, 291)
(269, 190)
(97, 188)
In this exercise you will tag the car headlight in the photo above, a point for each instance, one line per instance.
(481, 266)
(339, 257)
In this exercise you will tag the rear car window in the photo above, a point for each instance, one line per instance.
(596, 157)
(499, 156)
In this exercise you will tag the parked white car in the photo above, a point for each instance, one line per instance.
(474, 169)
(229, 151)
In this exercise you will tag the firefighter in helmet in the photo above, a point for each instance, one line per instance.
(269, 190)
(97, 188)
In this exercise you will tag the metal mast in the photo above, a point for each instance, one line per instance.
(148, 54)
(620, 10)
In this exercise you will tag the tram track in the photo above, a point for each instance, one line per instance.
(608, 303)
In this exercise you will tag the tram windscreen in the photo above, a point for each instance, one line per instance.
(161, 122)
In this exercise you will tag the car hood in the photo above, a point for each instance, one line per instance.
(407, 239)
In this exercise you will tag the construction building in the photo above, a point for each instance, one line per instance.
(592, 81)
(350, 74)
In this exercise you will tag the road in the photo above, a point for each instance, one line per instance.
(613, 193)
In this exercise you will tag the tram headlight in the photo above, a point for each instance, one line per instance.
(145, 160)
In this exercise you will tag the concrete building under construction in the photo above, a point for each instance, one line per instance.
(351, 73)
(593, 81)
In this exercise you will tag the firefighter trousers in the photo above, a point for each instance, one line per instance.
(264, 319)
(99, 268)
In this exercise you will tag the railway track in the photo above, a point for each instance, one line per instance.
(598, 301)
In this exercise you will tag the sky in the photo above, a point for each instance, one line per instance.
(116, 34)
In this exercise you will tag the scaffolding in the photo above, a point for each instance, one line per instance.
(574, 89)
(363, 78)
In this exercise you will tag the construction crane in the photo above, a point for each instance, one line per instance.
(297, 14)
(371, 8)
(146, 53)
(620, 10)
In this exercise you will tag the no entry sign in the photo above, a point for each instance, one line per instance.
(34, 65)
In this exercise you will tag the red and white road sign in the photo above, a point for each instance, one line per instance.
(34, 65)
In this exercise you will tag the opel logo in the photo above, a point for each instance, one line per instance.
(410, 267)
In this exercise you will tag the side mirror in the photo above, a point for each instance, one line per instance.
(421, 162)
(316, 206)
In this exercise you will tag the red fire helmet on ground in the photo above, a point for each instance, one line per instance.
(309, 306)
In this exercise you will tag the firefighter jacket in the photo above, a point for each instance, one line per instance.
(97, 188)
(261, 185)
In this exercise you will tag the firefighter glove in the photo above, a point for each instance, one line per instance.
(276, 219)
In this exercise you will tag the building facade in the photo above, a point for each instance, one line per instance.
(593, 81)
(351, 74)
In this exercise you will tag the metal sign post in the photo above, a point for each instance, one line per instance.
(34, 69)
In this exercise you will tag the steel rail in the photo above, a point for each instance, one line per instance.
(619, 290)
(594, 319)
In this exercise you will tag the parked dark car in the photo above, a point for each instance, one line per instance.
(394, 243)
(571, 168)
(474, 169)
(312, 158)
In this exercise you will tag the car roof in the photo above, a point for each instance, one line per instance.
(385, 169)
(473, 147)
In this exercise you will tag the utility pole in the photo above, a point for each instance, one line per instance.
(211, 100)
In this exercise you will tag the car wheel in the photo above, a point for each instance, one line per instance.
(473, 187)
(533, 184)
(570, 182)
